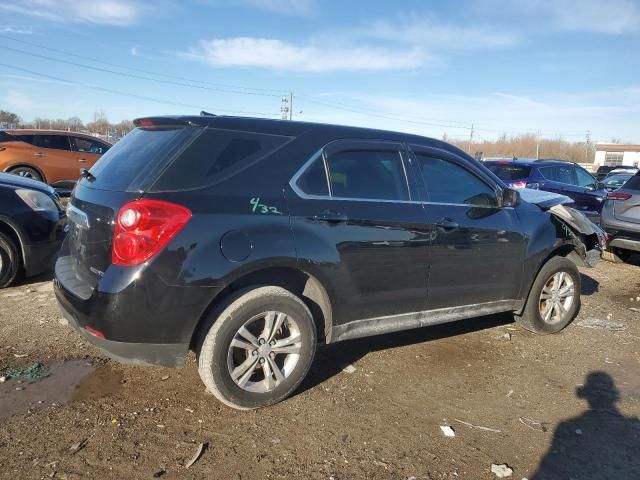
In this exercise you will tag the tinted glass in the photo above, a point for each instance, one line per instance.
(448, 182)
(314, 180)
(85, 145)
(584, 178)
(509, 173)
(560, 174)
(616, 180)
(58, 142)
(130, 160)
(368, 174)
(216, 155)
(633, 183)
(26, 138)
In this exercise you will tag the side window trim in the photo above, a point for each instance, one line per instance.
(447, 156)
(337, 146)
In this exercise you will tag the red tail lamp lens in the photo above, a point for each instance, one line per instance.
(619, 196)
(143, 228)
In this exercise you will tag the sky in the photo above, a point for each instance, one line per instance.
(431, 67)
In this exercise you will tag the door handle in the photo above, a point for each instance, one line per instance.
(330, 216)
(82, 160)
(447, 224)
(38, 154)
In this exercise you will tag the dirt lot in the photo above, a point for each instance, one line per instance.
(551, 407)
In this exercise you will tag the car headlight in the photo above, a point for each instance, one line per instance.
(38, 201)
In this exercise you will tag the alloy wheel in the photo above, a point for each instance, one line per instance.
(556, 298)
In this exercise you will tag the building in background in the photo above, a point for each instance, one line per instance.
(615, 154)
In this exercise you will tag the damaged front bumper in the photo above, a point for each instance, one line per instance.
(587, 237)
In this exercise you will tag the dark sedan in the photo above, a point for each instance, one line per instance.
(31, 227)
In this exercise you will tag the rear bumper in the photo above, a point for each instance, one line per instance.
(625, 243)
(165, 354)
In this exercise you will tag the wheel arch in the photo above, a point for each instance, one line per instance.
(12, 231)
(13, 166)
(299, 282)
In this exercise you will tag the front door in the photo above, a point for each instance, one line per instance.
(86, 152)
(362, 232)
(477, 248)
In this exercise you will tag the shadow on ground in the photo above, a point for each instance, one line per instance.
(600, 444)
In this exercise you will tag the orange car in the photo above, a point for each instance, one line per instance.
(48, 155)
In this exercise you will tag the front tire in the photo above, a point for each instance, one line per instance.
(554, 299)
(259, 348)
(9, 261)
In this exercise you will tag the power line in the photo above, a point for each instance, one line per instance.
(148, 72)
(132, 75)
(131, 95)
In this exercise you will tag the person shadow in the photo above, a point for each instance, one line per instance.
(600, 444)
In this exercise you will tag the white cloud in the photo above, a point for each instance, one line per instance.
(595, 16)
(280, 55)
(17, 101)
(15, 30)
(429, 32)
(300, 8)
(106, 12)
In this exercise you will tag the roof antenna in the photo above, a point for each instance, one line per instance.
(207, 114)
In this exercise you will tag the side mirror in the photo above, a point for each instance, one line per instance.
(510, 198)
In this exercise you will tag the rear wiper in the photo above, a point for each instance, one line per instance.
(84, 173)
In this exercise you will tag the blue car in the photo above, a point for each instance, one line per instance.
(555, 176)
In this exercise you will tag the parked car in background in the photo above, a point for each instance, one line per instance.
(252, 240)
(555, 176)
(604, 170)
(31, 227)
(47, 155)
(621, 220)
(615, 180)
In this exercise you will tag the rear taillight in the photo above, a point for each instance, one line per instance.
(619, 196)
(519, 184)
(143, 228)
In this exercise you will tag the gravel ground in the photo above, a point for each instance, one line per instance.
(549, 407)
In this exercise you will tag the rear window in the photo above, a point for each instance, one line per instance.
(137, 156)
(508, 173)
(633, 183)
(215, 156)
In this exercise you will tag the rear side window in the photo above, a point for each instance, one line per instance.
(26, 138)
(633, 183)
(509, 173)
(368, 174)
(314, 180)
(130, 161)
(57, 142)
(216, 155)
(560, 174)
(448, 182)
(84, 145)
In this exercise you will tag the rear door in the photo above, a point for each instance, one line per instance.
(54, 157)
(477, 246)
(362, 231)
(628, 210)
(85, 151)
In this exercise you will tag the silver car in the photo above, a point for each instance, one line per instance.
(620, 218)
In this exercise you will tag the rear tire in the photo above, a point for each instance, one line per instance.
(27, 172)
(253, 333)
(9, 261)
(554, 299)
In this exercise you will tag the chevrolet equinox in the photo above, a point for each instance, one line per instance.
(252, 241)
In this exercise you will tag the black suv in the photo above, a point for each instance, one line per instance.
(250, 241)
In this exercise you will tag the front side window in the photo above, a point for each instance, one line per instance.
(448, 182)
(58, 142)
(368, 174)
(84, 145)
(585, 179)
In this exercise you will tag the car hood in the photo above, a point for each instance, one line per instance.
(544, 200)
(15, 181)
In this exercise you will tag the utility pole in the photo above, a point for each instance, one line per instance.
(586, 147)
(538, 145)
(286, 107)
(470, 140)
